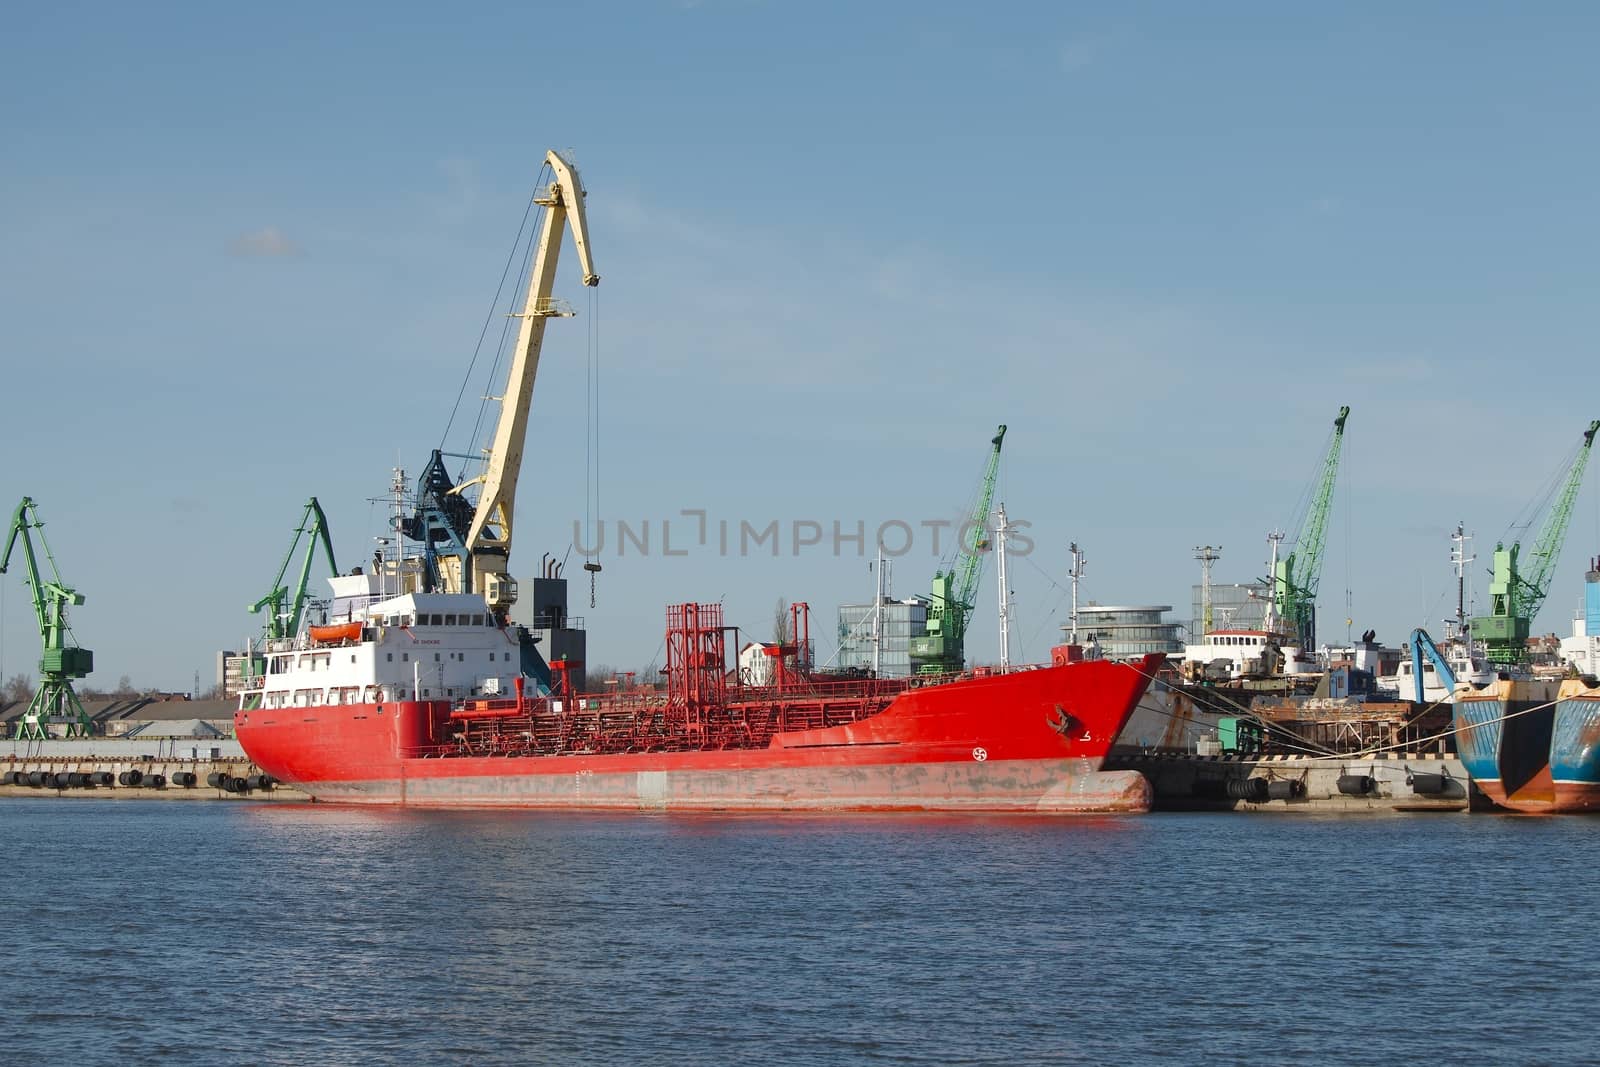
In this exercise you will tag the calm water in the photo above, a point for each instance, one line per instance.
(236, 933)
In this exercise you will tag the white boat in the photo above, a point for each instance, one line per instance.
(1471, 671)
(1229, 654)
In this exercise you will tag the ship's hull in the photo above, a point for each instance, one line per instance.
(1575, 752)
(1166, 720)
(1030, 741)
(1532, 745)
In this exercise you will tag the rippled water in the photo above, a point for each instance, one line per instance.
(238, 933)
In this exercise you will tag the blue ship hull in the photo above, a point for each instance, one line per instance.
(1532, 745)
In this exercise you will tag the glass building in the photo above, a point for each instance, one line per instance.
(901, 620)
(1233, 607)
(1128, 632)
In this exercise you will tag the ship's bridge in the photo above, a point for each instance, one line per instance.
(430, 609)
(363, 598)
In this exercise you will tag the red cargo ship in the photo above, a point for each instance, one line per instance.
(411, 690)
(338, 718)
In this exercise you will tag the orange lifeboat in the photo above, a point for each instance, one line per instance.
(332, 635)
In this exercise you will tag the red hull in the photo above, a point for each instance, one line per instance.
(1030, 741)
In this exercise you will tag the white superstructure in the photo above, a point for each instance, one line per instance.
(416, 646)
(1248, 652)
(1470, 669)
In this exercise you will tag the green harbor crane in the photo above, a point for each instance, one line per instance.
(1515, 594)
(942, 647)
(1295, 576)
(62, 661)
(282, 615)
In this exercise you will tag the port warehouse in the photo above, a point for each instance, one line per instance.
(140, 747)
(159, 728)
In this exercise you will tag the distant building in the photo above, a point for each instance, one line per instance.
(233, 668)
(1125, 632)
(1233, 607)
(756, 665)
(898, 623)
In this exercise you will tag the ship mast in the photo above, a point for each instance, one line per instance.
(1001, 530)
(877, 618)
(1460, 559)
(1075, 573)
(1270, 623)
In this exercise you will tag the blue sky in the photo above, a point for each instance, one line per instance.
(248, 254)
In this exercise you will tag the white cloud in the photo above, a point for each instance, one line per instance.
(1080, 52)
(1391, 369)
(462, 188)
(268, 242)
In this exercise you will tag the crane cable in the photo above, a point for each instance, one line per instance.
(487, 318)
(507, 341)
(591, 435)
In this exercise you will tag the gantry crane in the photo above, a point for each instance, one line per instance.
(1515, 596)
(283, 615)
(62, 661)
(942, 647)
(1295, 576)
(466, 547)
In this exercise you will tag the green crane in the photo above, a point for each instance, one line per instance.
(283, 615)
(1515, 596)
(62, 660)
(1295, 576)
(942, 647)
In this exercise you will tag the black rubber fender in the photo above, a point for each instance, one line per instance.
(1251, 789)
(1357, 785)
(1427, 784)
